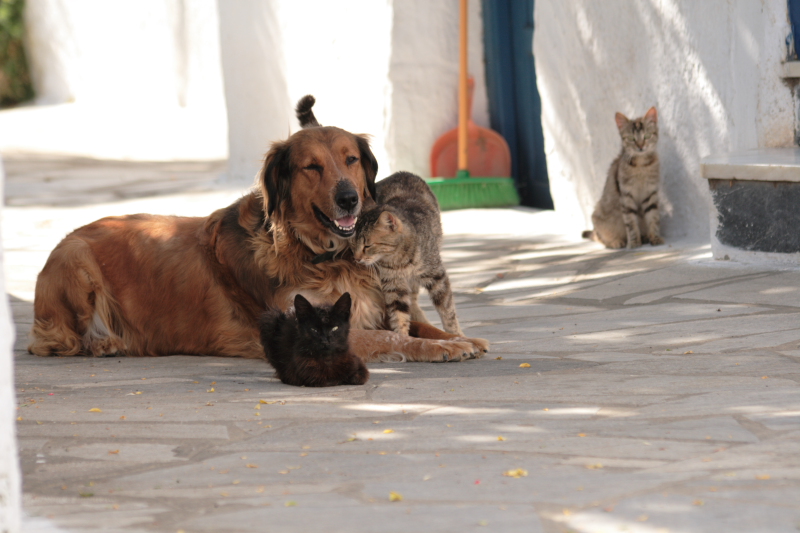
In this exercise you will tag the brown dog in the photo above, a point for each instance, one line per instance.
(157, 285)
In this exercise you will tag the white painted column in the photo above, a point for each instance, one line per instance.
(254, 74)
(10, 506)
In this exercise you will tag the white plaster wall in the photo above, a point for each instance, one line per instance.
(136, 79)
(385, 68)
(423, 74)
(712, 68)
(161, 79)
(10, 505)
(259, 109)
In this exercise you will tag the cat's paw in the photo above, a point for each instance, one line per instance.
(656, 240)
(455, 350)
(481, 346)
(616, 244)
(634, 244)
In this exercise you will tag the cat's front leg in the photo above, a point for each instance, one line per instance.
(427, 331)
(438, 285)
(652, 220)
(370, 345)
(397, 297)
(417, 314)
(631, 222)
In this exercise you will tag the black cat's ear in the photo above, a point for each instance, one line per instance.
(302, 307)
(342, 305)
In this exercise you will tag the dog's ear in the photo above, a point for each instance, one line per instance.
(276, 177)
(369, 163)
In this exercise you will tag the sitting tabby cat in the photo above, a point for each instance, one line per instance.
(627, 213)
(309, 348)
(402, 237)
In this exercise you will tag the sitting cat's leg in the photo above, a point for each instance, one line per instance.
(438, 285)
(369, 345)
(417, 314)
(359, 374)
(397, 296)
(652, 219)
(630, 211)
(426, 331)
(609, 229)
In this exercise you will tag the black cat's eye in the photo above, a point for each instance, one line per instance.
(350, 160)
(314, 167)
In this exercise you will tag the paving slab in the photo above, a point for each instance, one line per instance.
(647, 390)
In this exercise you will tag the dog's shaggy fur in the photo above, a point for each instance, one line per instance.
(158, 285)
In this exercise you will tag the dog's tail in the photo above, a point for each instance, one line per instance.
(304, 113)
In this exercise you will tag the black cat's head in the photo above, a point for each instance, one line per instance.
(323, 330)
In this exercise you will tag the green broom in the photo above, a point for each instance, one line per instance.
(490, 153)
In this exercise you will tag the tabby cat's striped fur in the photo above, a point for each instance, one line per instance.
(627, 213)
(402, 237)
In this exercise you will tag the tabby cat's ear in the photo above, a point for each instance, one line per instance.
(391, 221)
(302, 307)
(622, 120)
(652, 114)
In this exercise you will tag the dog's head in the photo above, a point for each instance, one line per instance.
(317, 181)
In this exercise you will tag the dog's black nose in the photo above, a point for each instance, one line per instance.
(347, 199)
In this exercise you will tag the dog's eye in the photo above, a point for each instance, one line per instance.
(315, 168)
(351, 159)
(334, 328)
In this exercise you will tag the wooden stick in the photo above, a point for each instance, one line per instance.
(463, 98)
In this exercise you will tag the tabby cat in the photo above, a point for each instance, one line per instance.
(402, 238)
(309, 347)
(627, 213)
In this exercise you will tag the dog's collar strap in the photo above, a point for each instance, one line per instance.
(321, 258)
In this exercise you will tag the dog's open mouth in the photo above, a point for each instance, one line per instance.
(344, 227)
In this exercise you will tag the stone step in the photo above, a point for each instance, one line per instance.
(756, 194)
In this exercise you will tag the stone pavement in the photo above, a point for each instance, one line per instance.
(653, 390)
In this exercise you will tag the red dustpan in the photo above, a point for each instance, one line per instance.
(487, 152)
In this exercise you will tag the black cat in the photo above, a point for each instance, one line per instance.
(309, 347)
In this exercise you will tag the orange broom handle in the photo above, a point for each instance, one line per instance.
(463, 99)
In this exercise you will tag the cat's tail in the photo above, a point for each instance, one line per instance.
(304, 113)
(589, 234)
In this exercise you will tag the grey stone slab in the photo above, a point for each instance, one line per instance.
(655, 281)
(650, 513)
(691, 334)
(505, 312)
(389, 518)
(780, 289)
(624, 318)
(120, 452)
(121, 430)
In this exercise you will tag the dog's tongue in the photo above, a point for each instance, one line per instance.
(346, 222)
